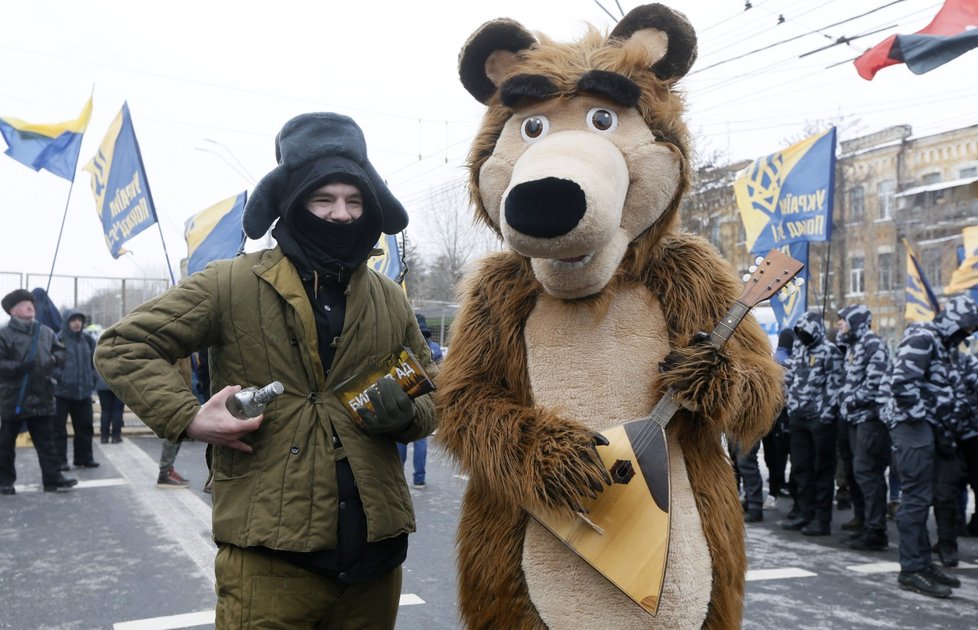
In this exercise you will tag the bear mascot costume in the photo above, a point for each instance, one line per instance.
(595, 309)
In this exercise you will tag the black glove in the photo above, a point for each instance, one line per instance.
(393, 409)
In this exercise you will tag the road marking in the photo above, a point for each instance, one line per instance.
(102, 483)
(91, 483)
(757, 575)
(893, 567)
(875, 567)
(181, 514)
(410, 599)
(187, 620)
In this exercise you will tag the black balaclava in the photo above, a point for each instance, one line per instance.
(326, 253)
(332, 250)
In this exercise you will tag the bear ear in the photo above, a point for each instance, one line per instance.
(666, 33)
(489, 54)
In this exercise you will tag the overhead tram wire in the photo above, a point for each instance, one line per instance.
(758, 27)
(796, 37)
(759, 92)
(726, 21)
(793, 18)
(754, 72)
(769, 123)
(601, 6)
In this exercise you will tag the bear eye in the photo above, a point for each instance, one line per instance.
(534, 128)
(602, 120)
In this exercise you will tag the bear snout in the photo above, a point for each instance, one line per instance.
(545, 208)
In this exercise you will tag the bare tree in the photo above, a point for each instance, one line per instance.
(455, 238)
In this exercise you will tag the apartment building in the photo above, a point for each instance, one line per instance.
(889, 185)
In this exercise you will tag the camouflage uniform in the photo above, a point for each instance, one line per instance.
(866, 362)
(968, 426)
(813, 378)
(925, 399)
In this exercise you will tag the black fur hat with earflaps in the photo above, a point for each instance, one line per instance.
(305, 139)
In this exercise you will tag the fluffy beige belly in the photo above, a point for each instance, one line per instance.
(599, 368)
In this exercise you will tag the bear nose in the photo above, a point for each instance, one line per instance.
(545, 208)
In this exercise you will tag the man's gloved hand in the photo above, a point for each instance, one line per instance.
(393, 409)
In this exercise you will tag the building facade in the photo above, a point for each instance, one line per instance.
(888, 186)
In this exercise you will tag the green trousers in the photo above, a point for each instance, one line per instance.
(255, 590)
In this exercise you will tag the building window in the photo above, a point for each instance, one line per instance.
(884, 265)
(931, 178)
(968, 172)
(886, 191)
(856, 282)
(857, 203)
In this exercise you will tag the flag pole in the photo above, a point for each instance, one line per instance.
(149, 195)
(169, 267)
(64, 215)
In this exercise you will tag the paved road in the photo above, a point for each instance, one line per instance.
(120, 553)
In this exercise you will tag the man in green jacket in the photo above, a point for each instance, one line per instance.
(311, 509)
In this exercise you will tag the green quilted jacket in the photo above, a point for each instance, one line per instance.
(255, 317)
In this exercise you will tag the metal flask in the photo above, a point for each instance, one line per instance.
(251, 401)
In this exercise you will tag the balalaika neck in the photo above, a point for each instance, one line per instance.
(667, 406)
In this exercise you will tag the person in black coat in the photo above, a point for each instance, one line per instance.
(76, 382)
(29, 353)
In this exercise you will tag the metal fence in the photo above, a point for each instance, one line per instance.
(439, 316)
(103, 300)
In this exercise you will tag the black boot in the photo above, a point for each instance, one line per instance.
(871, 540)
(795, 524)
(64, 483)
(940, 577)
(817, 528)
(920, 582)
(854, 524)
(947, 550)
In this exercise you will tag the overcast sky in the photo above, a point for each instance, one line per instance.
(210, 82)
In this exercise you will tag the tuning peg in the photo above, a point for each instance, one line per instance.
(759, 260)
(799, 281)
(745, 277)
(752, 268)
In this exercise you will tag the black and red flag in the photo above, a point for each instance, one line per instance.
(952, 32)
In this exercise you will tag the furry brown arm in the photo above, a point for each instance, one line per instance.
(738, 389)
(526, 455)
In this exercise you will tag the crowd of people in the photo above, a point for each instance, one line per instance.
(309, 313)
(863, 428)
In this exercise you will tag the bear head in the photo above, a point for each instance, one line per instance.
(583, 151)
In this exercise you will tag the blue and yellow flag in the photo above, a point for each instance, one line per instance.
(965, 277)
(215, 233)
(53, 147)
(122, 197)
(389, 261)
(788, 310)
(922, 303)
(786, 197)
